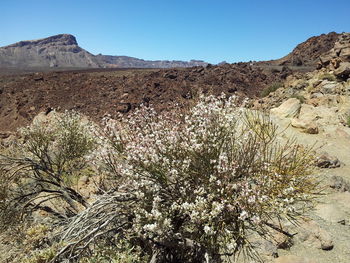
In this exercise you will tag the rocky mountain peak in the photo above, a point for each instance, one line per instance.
(61, 39)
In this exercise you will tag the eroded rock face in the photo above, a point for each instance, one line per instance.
(340, 50)
(308, 52)
(338, 58)
(56, 51)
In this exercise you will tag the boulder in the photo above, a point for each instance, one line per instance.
(288, 109)
(307, 119)
(345, 52)
(315, 236)
(328, 87)
(343, 71)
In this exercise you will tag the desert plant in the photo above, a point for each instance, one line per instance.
(121, 252)
(299, 97)
(273, 87)
(10, 213)
(190, 187)
(41, 166)
(44, 255)
(328, 76)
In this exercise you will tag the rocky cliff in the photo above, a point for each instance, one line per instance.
(56, 51)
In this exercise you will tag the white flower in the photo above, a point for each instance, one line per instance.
(207, 230)
(243, 215)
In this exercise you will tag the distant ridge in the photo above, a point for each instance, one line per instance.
(63, 51)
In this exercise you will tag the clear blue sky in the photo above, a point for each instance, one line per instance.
(211, 30)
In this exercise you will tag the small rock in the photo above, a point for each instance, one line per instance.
(326, 243)
(288, 109)
(170, 76)
(123, 107)
(328, 87)
(340, 184)
(4, 135)
(306, 126)
(282, 241)
(265, 247)
(38, 78)
(327, 161)
(232, 90)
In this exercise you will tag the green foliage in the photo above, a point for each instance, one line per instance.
(42, 167)
(122, 252)
(9, 211)
(45, 255)
(328, 76)
(62, 142)
(273, 87)
(346, 120)
(299, 97)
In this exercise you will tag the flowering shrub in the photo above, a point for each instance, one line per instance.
(201, 181)
(179, 186)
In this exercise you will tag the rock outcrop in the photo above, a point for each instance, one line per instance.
(308, 52)
(338, 58)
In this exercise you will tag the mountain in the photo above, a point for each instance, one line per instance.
(63, 51)
(308, 53)
(56, 51)
(130, 62)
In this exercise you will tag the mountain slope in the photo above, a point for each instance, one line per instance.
(63, 51)
(308, 52)
(56, 51)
